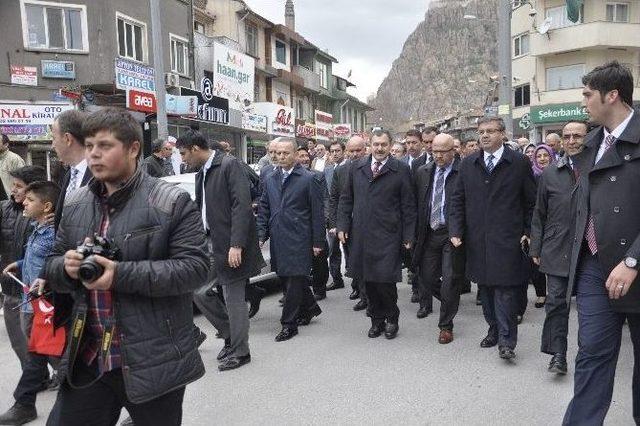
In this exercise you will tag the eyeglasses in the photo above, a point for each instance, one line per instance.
(487, 131)
(568, 137)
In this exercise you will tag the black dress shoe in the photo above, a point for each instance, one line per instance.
(19, 414)
(318, 296)
(286, 334)
(355, 294)
(255, 297)
(423, 312)
(505, 352)
(558, 364)
(234, 362)
(375, 330)
(225, 351)
(127, 422)
(488, 342)
(314, 311)
(391, 330)
(415, 298)
(360, 305)
(335, 285)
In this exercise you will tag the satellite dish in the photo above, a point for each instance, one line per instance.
(545, 26)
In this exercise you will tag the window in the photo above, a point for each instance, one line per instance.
(256, 89)
(251, 33)
(522, 96)
(321, 70)
(281, 52)
(198, 27)
(132, 38)
(300, 109)
(569, 77)
(618, 12)
(179, 54)
(521, 45)
(59, 26)
(559, 18)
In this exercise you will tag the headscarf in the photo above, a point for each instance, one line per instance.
(537, 169)
(526, 147)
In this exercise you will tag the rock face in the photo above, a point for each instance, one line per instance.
(431, 78)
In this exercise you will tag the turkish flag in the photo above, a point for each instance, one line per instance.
(45, 339)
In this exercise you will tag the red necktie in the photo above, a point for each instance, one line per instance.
(376, 168)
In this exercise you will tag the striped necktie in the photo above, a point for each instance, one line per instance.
(490, 164)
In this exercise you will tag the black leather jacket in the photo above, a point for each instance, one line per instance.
(14, 232)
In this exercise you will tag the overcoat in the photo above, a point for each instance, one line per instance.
(491, 212)
(379, 215)
(291, 216)
(610, 191)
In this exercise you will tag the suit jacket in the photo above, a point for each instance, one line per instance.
(609, 191)
(420, 161)
(337, 186)
(63, 192)
(230, 217)
(154, 166)
(329, 171)
(491, 212)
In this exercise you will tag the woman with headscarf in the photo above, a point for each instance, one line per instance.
(543, 155)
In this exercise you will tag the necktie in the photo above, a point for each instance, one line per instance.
(590, 233)
(73, 180)
(376, 168)
(436, 208)
(490, 164)
(285, 175)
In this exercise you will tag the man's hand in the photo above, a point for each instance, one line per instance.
(343, 237)
(39, 283)
(105, 281)
(620, 280)
(12, 267)
(332, 231)
(235, 256)
(536, 260)
(456, 241)
(317, 251)
(407, 245)
(72, 261)
(50, 218)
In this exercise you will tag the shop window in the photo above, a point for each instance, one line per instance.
(522, 96)
(56, 26)
(132, 38)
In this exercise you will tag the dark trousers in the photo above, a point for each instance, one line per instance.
(14, 329)
(499, 307)
(383, 302)
(335, 259)
(436, 262)
(320, 273)
(297, 299)
(539, 281)
(599, 339)
(100, 404)
(556, 322)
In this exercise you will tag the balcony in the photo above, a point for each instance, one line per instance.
(290, 77)
(310, 79)
(592, 35)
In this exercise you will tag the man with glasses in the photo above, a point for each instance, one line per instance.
(490, 213)
(551, 243)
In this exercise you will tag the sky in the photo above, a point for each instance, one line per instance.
(366, 36)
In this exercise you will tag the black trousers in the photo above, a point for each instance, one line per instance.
(556, 322)
(539, 281)
(383, 302)
(436, 262)
(35, 372)
(100, 404)
(297, 299)
(500, 307)
(320, 273)
(335, 259)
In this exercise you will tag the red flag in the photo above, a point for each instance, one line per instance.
(45, 339)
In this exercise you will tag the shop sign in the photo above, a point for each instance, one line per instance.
(24, 122)
(280, 118)
(58, 69)
(141, 101)
(182, 105)
(342, 131)
(130, 75)
(524, 122)
(210, 108)
(233, 76)
(27, 76)
(558, 113)
(305, 130)
(254, 122)
(324, 126)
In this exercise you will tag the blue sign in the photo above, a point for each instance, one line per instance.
(130, 75)
(58, 69)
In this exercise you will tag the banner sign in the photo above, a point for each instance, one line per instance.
(182, 105)
(233, 76)
(324, 126)
(58, 69)
(130, 75)
(25, 122)
(305, 130)
(558, 113)
(280, 118)
(210, 108)
(141, 101)
(342, 131)
(255, 122)
(27, 76)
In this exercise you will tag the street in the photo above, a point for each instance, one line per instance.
(331, 373)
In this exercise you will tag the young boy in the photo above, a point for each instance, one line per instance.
(39, 203)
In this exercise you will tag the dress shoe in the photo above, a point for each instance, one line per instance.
(391, 330)
(233, 362)
(19, 414)
(255, 297)
(286, 334)
(446, 336)
(335, 285)
(318, 296)
(305, 319)
(360, 305)
(376, 330)
(558, 364)
(355, 294)
(519, 318)
(540, 301)
(423, 312)
(505, 352)
(225, 351)
(488, 342)
(415, 298)
(127, 422)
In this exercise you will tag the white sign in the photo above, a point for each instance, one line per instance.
(324, 126)
(30, 114)
(233, 76)
(342, 131)
(257, 123)
(27, 76)
(280, 118)
(130, 75)
(182, 105)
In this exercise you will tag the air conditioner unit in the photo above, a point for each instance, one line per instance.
(171, 79)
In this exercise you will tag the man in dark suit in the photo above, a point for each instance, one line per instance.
(551, 236)
(491, 214)
(336, 151)
(155, 164)
(416, 156)
(291, 216)
(224, 198)
(377, 212)
(434, 253)
(606, 248)
(428, 135)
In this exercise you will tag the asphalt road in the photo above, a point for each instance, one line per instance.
(331, 373)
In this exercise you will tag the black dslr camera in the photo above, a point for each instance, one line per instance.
(90, 270)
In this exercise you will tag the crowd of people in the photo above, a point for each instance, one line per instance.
(122, 256)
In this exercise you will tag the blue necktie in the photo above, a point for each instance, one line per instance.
(285, 175)
(436, 208)
(490, 164)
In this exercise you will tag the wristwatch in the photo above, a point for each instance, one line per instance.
(631, 262)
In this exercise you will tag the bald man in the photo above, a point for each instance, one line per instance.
(522, 142)
(554, 141)
(434, 254)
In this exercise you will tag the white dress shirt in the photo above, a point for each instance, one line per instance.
(382, 163)
(616, 134)
(447, 170)
(81, 168)
(496, 155)
(205, 169)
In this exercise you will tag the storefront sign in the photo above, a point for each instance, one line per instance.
(27, 76)
(254, 122)
(233, 76)
(210, 108)
(342, 131)
(305, 130)
(24, 122)
(558, 113)
(324, 126)
(130, 75)
(524, 122)
(141, 101)
(280, 118)
(58, 69)
(182, 105)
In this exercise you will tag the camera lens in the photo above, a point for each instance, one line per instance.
(90, 270)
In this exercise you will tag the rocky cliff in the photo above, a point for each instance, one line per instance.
(444, 66)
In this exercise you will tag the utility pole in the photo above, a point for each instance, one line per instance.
(504, 64)
(158, 64)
